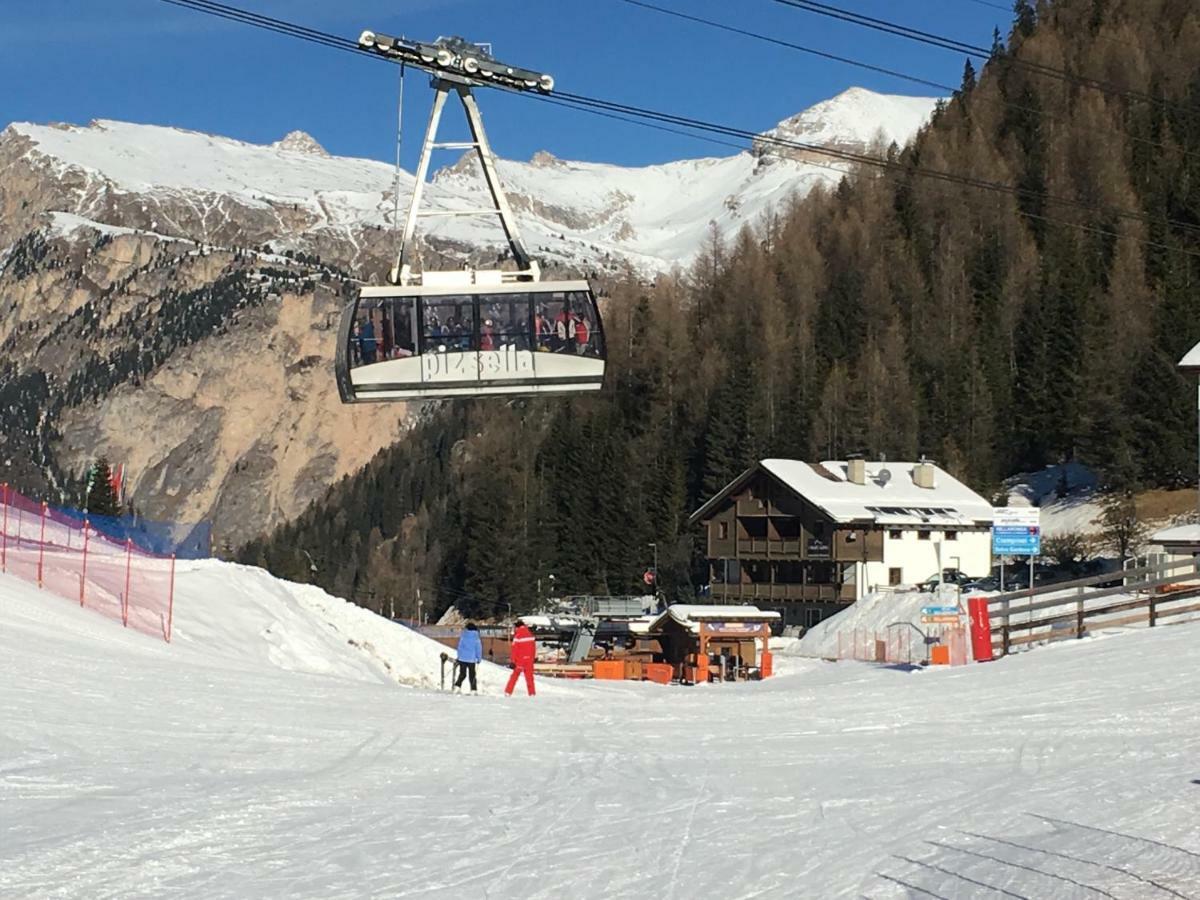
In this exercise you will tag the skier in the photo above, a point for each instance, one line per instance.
(524, 648)
(470, 652)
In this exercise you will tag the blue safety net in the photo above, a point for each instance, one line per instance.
(187, 540)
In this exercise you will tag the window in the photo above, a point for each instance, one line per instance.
(895, 577)
(895, 534)
(504, 322)
(952, 535)
(723, 531)
(383, 329)
(448, 324)
(566, 323)
(923, 535)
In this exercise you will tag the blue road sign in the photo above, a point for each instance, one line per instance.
(1016, 540)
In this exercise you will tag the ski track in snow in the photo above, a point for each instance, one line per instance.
(270, 752)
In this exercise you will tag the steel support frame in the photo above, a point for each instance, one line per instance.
(402, 272)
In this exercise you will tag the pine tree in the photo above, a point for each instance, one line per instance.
(102, 500)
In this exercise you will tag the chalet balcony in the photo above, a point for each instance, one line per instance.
(749, 548)
(811, 593)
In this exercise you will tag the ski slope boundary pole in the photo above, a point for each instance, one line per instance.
(42, 546)
(125, 596)
(4, 536)
(170, 600)
(83, 574)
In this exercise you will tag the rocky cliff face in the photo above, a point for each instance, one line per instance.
(170, 298)
(205, 371)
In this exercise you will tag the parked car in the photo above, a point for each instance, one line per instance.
(988, 584)
(949, 576)
(1016, 578)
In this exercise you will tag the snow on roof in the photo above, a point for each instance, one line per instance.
(1179, 534)
(894, 499)
(1191, 360)
(690, 616)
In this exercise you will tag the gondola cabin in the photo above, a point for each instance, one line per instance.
(447, 339)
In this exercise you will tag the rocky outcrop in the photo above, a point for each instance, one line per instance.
(241, 425)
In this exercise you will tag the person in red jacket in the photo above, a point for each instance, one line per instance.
(524, 648)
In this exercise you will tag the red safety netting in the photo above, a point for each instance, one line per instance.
(71, 559)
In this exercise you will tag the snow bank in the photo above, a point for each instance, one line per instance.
(1074, 513)
(876, 613)
(229, 615)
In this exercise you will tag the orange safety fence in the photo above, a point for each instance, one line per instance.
(71, 559)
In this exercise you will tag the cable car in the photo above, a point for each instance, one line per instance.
(447, 340)
(469, 333)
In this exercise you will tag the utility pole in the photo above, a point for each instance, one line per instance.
(654, 546)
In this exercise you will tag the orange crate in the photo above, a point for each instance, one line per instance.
(608, 670)
(939, 655)
(633, 670)
(661, 673)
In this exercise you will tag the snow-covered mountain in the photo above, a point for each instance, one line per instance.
(294, 195)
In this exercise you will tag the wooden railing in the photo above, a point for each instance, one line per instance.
(779, 592)
(1159, 594)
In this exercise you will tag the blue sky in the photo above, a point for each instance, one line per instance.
(146, 61)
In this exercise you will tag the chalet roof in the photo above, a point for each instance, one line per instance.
(1191, 360)
(1179, 534)
(892, 499)
(690, 616)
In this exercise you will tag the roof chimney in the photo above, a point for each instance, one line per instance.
(923, 473)
(856, 470)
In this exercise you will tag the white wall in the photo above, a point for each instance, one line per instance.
(970, 551)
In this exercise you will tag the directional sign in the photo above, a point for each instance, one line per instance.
(1017, 531)
(939, 610)
(940, 620)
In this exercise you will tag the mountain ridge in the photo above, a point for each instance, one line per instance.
(580, 213)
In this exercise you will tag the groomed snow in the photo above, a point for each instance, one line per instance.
(264, 755)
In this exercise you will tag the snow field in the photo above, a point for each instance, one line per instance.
(264, 755)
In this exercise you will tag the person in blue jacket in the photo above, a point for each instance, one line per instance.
(470, 652)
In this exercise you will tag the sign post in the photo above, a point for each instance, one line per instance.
(1016, 531)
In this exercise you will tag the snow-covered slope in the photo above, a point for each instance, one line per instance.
(853, 120)
(230, 764)
(198, 185)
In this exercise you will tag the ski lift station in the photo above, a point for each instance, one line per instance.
(615, 639)
(808, 539)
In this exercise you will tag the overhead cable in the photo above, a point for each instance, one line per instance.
(957, 46)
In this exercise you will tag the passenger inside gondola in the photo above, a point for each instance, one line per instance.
(366, 342)
(542, 330)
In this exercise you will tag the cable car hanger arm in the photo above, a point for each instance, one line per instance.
(458, 65)
(458, 60)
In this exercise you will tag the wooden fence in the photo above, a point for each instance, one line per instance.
(1145, 595)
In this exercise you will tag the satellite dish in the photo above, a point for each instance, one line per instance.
(884, 476)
